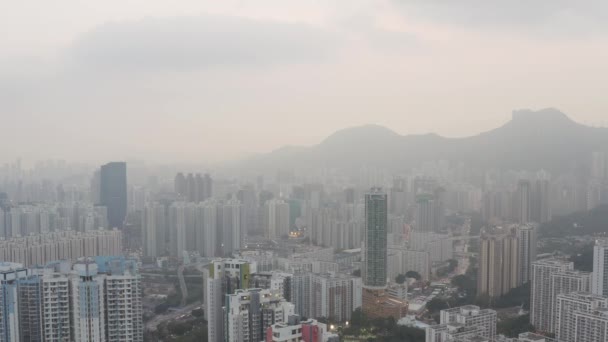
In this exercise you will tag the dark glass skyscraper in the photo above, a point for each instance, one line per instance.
(113, 192)
(375, 247)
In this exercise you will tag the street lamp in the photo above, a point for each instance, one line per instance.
(346, 323)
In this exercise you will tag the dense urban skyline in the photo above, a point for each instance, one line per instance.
(303, 171)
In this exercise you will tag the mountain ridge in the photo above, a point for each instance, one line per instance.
(531, 140)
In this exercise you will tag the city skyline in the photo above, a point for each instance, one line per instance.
(303, 171)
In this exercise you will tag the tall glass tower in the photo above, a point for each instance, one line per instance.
(374, 270)
(113, 192)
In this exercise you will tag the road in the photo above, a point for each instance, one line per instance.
(153, 323)
(184, 309)
(182, 284)
(463, 260)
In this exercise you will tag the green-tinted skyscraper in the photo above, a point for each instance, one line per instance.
(374, 270)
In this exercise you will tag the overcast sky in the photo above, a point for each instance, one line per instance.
(192, 80)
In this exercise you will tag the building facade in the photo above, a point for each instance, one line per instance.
(541, 291)
(113, 192)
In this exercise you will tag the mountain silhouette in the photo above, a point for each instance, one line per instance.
(531, 140)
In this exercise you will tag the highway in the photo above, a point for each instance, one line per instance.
(182, 284)
(184, 309)
(152, 325)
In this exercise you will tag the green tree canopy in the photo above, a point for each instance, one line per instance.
(413, 274)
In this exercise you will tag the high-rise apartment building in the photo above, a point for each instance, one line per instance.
(193, 187)
(301, 292)
(566, 305)
(113, 192)
(180, 185)
(591, 326)
(248, 197)
(540, 208)
(599, 165)
(207, 242)
(565, 283)
(154, 229)
(526, 234)
(222, 277)
(88, 295)
(96, 299)
(56, 306)
(426, 213)
(177, 228)
(499, 265)
(374, 268)
(523, 201)
(465, 323)
(600, 268)
(40, 249)
(249, 313)
(30, 310)
(296, 329)
(212, 228)
(334, 295)
(232, 227)
(123, 306)
(276, 218)
(541, 291)
(402, 260)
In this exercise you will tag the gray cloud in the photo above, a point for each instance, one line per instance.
(184, 43)
(549, 17)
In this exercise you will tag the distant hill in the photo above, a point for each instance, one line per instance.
(531, 140)
(590, 222)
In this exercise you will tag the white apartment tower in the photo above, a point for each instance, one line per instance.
(56, 307)
(154, 221)
(541, 296)
(472, 316)
(600, 268)
(249, 313)
(124, 312)
(88, 297)
(276, 218)
(207, 240)
(566, 305)
(232, 231)
(565, 283)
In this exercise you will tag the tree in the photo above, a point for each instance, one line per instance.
(580, 223)
(463, 282)
(452, 264)
(512, 327)
(515, 297)
(584, 260)
(436, 305)
(178, 328)
(400, 279)
(358, 318)
(442, 272)
(413, 274)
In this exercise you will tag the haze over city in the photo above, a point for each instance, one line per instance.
(303, 171)
(222, 80)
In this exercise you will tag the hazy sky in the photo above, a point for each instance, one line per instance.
(214, 80)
